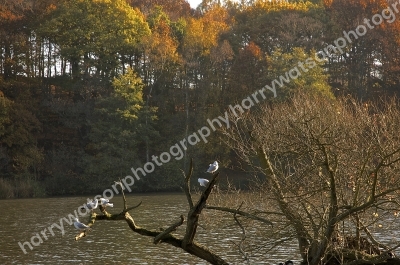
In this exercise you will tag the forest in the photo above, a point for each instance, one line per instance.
(92, 88)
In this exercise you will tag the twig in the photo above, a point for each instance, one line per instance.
(248, 215)
(133, 207)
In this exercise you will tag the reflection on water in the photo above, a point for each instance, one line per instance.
(110, 242)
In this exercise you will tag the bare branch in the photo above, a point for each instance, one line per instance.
(133, 207)
(119, 183)
(167, 231)
(194, 213)
(245, 255)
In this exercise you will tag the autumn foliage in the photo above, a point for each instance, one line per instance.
(65, 119)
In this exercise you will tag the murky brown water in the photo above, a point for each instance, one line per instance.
(110, 242)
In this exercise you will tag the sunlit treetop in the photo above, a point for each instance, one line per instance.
(157, 16)
(175, 9)
(161, 46)
(128, 88)
(278, 5)
(203, 33)
(101, 28)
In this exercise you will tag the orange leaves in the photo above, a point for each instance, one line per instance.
(254, 50)
(8, 14)
(328, 3)
(160, 46)
(51, 7)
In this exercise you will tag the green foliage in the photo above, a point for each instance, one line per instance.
(302, 70)
(278, 5)
(115, 132)
(156, 16)
(178, 29)
(19, 127)
(128, 95)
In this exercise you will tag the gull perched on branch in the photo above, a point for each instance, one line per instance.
(80, 226)
(213, 167)
(203, 182)
(106, 202)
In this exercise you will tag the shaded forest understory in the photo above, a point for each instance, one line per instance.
(92, 90)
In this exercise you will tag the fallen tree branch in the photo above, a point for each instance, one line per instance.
(165, 236)
(194, 248)
(90, 224)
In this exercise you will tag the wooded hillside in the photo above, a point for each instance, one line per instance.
(91, 88)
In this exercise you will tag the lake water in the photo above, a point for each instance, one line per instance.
(112, 242)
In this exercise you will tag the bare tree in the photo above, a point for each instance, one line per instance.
(331, 172)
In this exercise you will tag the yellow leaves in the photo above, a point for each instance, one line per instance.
(279, 5)
(202, 34)
(128, 88)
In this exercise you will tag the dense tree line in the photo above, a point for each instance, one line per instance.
(91, 88)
